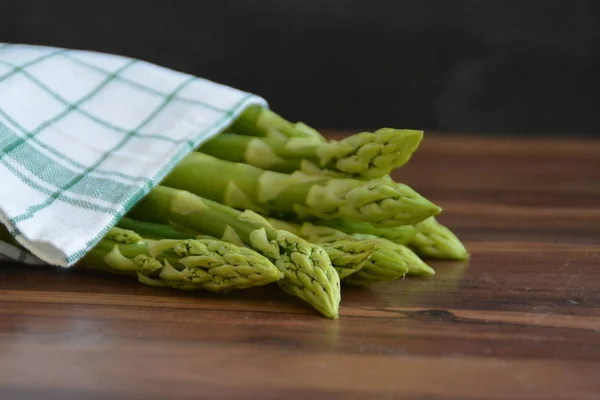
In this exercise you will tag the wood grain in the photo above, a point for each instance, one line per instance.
(521, 320)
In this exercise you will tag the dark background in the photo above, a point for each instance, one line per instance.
(484, 66)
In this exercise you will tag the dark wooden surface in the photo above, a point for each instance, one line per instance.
(521, 320)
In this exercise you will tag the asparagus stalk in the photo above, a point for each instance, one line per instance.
(307, 270)
(349, 256)
(260, 121)
(205, 264)
(365, 155)
(389, 262)
(398, 234)
(151, 230)
(379, 202)
(434, 240)
(346, 256)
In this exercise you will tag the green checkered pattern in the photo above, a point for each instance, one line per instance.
(85, 135)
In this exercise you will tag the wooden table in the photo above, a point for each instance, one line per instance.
(521, 320)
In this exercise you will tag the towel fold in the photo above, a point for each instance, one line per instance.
(85, 135)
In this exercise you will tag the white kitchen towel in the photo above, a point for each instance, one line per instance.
(85, 135)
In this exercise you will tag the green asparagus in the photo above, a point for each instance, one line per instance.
(398, 234)
(243, 186)
(434, 240)
(346, 257)
(390, 261)
(307, 269)
(272, 201)
(349, 256)
(365, 155)
(150, 230)
(205, 264)
(260, 121)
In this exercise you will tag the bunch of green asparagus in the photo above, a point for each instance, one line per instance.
(274, 202)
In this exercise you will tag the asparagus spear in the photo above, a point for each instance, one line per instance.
(390, 261)
(205, 264)
(434, 240)
(398, 234)
(151, 230)
(346, 256)
(243, 186)
(364, 155)
(307, 270)
(349, 256)
(260, 121)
